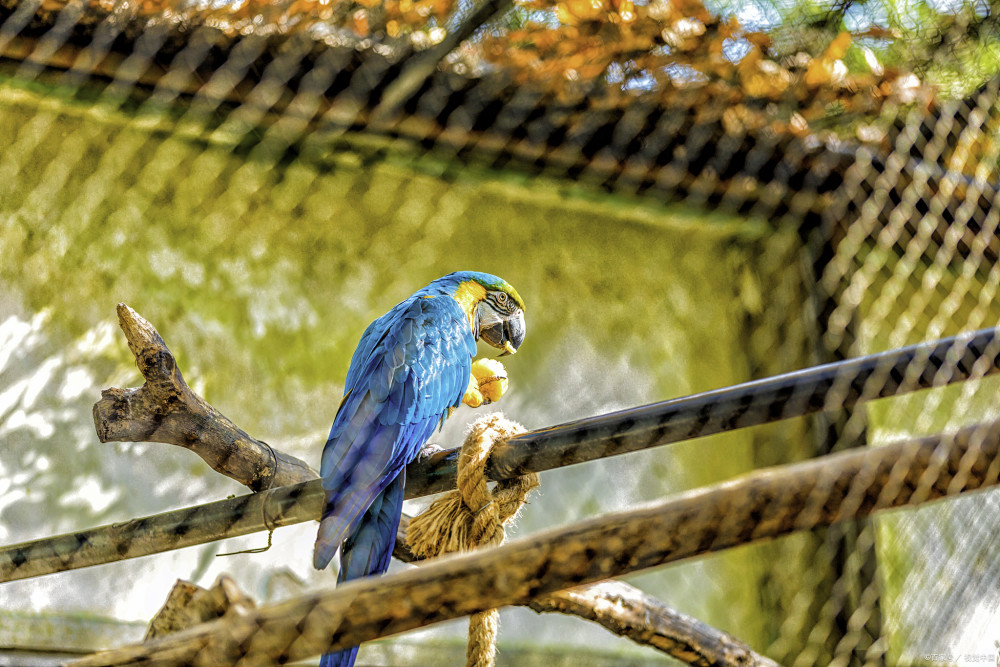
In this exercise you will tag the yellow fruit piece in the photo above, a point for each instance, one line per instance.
(491, 377)
(473, 397)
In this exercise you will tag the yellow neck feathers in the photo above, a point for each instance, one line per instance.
(468, 295)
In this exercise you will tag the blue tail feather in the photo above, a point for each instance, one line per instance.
(368, 549)
(343, 658)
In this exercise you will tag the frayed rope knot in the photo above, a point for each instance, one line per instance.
(472, 517)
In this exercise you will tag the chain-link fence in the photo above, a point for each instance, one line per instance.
(688, 196)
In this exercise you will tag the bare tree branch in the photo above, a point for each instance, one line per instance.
(627, 611)
(189, 604)
(832, 386)
(165, 410)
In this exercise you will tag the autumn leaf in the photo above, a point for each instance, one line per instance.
(763, 78)
(359, 23)
(574, 12)
(829, 68)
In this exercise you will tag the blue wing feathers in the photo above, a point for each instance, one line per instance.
(369, 339)
(411, 365)
(370, 547)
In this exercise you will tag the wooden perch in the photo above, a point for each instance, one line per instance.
(830, 386)
(165, 409)
(760, 505)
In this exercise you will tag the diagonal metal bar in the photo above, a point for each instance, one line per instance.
(829, 387)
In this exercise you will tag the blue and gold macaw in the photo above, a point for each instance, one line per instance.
(412, 367)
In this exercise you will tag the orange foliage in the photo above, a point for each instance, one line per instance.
(611, 50)
(616, 49)
(829, 68)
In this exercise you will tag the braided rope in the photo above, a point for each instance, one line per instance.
(473, 517)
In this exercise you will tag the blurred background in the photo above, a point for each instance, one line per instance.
(686, 195)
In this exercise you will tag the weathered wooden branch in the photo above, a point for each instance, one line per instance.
(619, 607)
(176, 529)
(760, 505)
(835, 386)
(246, 459)
(165, 409)
(627, 611)
(188, 605)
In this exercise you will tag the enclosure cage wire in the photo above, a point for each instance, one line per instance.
(899, 232)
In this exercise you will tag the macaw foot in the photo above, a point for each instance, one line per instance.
(487, 383)
(428, 451)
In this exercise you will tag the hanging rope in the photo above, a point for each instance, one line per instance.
(474, 517)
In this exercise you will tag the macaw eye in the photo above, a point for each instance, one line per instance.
(502, 299)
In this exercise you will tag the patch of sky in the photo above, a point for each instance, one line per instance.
(949, 6)
(641, 82)
(548, 18)
(860, 18)
(683, 75)
(615, 73)
(735, 49)
(213, 4)
(751, 15)
(981, 9)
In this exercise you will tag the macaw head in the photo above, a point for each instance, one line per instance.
(494, 308)
(500, 319)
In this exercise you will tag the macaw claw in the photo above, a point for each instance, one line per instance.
(428, 451)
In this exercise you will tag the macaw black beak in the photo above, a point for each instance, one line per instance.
(505, 334)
